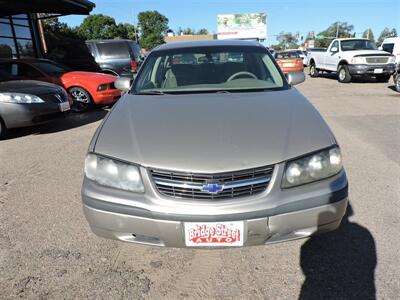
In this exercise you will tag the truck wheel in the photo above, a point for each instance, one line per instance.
(313, 70)
(397, 83)
(3, 130)
(383, 78)
(344, 74)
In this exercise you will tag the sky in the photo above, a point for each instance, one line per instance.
(293, 16)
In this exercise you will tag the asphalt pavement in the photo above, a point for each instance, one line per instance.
(48, 251)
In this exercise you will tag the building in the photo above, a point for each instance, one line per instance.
(21, 34)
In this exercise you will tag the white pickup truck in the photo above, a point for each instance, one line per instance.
(352, 57)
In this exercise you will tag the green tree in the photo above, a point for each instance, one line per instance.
(52, 26)
(126, 31)
(386, 33)
(286, 40)
(188, 31)
(337, 29)
(202, 31)
(152, 26)
(368, 34)
(98, 27)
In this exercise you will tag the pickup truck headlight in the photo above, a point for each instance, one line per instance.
(358, 60)
(392, 59)
(112, 173)
(311, 168)
(20, 98)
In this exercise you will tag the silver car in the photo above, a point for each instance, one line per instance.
(207, 151)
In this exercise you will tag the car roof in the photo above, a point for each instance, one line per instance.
(207, 43)
(392, 39)
(109, 41)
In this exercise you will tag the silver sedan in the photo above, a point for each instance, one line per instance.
(212, 146)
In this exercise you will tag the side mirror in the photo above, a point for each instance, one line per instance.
(295, 77)
(123, 83)
(380, 48)
(334, 49)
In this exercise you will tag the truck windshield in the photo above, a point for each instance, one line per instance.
(209, 69)
(349, 45)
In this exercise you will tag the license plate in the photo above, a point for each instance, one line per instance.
(214, 234)
(64, 106)
(378, 71)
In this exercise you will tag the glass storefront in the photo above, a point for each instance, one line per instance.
(16, 37)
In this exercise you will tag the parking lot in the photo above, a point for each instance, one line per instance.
(48, 251)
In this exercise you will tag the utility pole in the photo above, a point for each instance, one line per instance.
(337, 30)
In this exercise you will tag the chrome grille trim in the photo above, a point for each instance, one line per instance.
(190, 185)
(377, 60)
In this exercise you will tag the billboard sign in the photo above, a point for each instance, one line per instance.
(242, 26)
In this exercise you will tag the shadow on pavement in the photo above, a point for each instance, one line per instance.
(340, 264)
(72, 120)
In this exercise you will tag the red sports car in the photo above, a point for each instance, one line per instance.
(86, 88)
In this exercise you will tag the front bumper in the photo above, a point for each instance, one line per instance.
(21, 115)
(364, 69)
(107, 97)
(273, 216)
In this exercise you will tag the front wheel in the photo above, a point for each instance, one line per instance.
(3, 130)
(82, 101)
(344, 74)
(313, 70)
(397, 82)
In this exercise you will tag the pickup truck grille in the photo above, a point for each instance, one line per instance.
(377, 60)
(200, 186)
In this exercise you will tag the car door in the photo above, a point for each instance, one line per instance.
(332, 58)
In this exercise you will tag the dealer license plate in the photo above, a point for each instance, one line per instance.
(214, 234)
(64, 106)
(378, 71)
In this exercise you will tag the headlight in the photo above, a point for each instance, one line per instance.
(312, 168)
(102, 87)
(358, 60)
(112, 173)
(19, 98)
(392, 60)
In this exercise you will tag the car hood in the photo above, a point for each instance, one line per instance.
(29, 87)
(88, 76)
(212, 132)
(367, 52)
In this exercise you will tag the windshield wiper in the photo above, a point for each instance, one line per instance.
(151, 92)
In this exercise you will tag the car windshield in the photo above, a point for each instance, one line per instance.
(209, 69)
(51, 68)
(349, 45)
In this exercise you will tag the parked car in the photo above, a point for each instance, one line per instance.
(74, 54)
(215, 154)
(302, 54)
(86, 88)
(117, 57)
(28, 102)
(392, 46)
(289, 61)
(353, 57)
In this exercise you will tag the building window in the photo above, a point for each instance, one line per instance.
(16, 37)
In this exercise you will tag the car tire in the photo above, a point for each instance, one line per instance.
(344, 74)
(383, 78)
(397, 82)
(3, 129)
(82, 101)
(313, 70)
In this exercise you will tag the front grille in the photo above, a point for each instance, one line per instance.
(236, 184)
(377, 60)
(55, 97)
